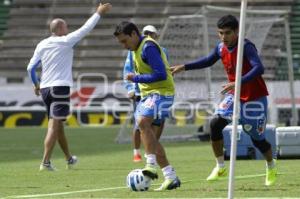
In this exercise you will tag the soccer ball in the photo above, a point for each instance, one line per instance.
(136, 181)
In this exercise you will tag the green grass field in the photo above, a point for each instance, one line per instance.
(103, 166)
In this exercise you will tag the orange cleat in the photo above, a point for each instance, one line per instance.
(137, 158)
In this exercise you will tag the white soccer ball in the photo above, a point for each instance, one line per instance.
(136, 181)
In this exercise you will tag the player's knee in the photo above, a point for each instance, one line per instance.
(262, 145)
(136, 131)
(144, 123)
(217, 124)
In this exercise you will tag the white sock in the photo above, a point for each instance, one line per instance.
(169, 172)
(151, 159)
(46, 163)
(270, 165)
(220, 162)
(136, 151)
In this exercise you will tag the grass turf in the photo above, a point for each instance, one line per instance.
(103, 166)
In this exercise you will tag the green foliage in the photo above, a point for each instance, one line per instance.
(4, 13)
(103, 166)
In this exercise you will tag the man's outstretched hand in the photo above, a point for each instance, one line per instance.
(227, 87)
(177, 69)
(103, 8)
(130, 76)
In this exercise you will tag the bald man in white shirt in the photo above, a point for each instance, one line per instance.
(55, 55)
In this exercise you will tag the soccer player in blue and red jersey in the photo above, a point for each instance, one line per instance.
(153, 75)
(253, 96)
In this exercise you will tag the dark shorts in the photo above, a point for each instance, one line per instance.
(57, 101)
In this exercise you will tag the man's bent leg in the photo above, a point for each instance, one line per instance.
(160, 151)
(271, 169)
(62, 140)
(136, 140)
(150, 145)
(171, 180)
(217, 125)
(49, 143)
(147, 134)
(63, 143)
(50, 140)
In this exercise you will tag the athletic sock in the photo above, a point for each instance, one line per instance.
(136, 151)
(220, 162)
(270, 165)
(151, 159)
(169, 172)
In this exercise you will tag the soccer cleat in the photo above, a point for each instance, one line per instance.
(217, 173)
(71, 162)
(169, 184)
(47, 167)
(271, 176)
(150, 171)
(137, 158)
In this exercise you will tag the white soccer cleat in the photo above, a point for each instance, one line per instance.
(71, 162)
(47, 167)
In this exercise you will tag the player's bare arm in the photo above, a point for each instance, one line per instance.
(103, 8)
(176, 69)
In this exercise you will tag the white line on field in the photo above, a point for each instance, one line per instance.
(113, 188)
(64, 193)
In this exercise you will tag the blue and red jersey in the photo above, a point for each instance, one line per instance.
(253, 86)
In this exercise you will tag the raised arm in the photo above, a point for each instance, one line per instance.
(77, 35)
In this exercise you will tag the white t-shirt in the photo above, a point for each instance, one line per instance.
(55, 54)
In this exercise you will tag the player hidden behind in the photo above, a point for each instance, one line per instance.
(133, 90)
(253, 96)
(156, 83)
(55, 55)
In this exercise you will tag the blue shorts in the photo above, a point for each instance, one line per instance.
(57, 101)
(253, 115)
(155, 106)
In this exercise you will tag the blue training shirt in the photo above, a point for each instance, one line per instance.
(152, 56)
(250, 53)
(129, 68)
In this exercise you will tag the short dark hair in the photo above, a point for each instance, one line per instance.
(228, 21)
(126, 28)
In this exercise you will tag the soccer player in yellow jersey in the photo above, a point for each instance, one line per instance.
(133, 90)
(156, 84)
